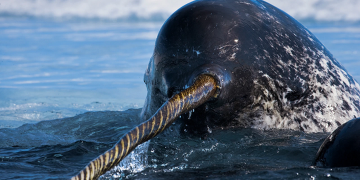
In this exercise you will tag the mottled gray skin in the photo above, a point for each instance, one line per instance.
(273, 72)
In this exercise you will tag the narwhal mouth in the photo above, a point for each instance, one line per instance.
(203, 89)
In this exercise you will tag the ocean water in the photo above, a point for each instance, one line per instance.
(71, 84)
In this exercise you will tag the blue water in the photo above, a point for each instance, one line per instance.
(78, 77)
(53, 69)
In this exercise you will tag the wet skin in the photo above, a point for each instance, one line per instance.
(342, 147)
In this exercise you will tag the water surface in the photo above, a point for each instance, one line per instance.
(78, 83)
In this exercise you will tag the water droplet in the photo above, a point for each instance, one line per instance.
(190, 112)
(209, 130)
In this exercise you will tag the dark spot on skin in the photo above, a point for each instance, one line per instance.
(334, 80)
(318, 108)
(316, 122)
(322, 91)
(329, 124)
(345, 106)
(337, 123)
(297, 120)
(295, 95)
(330, 66)
(357, 104)
(306, 126)
(319, 79)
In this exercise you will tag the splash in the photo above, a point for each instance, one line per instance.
(135, 162)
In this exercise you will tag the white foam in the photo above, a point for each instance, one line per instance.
(318, 10)
(110, 9)
(135, 162)
(53, 109)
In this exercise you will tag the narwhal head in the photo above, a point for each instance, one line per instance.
(200, 38)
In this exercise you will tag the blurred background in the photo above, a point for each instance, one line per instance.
(60, 58)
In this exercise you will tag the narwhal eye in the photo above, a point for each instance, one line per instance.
(145, 79)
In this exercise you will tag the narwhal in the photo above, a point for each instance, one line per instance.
(238, 63)
(342, 147)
